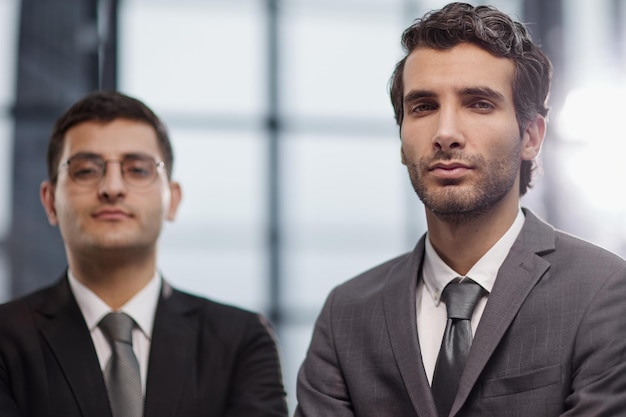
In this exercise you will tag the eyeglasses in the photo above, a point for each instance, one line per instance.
(88, 170)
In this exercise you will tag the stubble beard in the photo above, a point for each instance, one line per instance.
(457, 203)
(97, 239)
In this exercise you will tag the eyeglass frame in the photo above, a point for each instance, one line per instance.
(158, 164)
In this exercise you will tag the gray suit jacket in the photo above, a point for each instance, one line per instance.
(551, 341)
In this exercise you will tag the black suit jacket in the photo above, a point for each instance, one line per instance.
(206, 359)
(551, 340)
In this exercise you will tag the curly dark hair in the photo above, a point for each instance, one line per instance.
(106, 106)
(498, 34)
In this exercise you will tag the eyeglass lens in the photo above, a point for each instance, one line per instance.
(88, 169)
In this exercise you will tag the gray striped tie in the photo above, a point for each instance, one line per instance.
(121, 374)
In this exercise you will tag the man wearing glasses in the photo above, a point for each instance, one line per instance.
(111, 337)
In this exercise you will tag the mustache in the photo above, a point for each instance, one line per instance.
(449, 155)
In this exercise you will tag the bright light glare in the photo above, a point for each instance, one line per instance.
(594, 119)
(600, 173)
(594, 114)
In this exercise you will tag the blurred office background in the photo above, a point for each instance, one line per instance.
(284, 137)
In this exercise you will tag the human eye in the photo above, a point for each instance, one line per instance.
(139, 167)
(483, 106)
(86, 168)
(422, 108)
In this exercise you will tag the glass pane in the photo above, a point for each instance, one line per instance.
(345, 210)
(230, 275)
(194, 56)
(5, 278)
(9, 19)
(223, 175)
(293, 343)
(216, 246)
(6, 175)
(591, 55)
(337, 64)
(331, 5)
(586, 157)
(342, 180)
(511, 7)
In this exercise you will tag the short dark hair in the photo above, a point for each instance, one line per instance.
(106, 106)
(497, 33)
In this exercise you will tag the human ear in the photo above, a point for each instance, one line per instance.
(533, 136)
(176, 195)
(46, 194)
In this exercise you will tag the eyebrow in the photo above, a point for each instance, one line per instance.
(483, 92)
(418, 94)
(84, 154)
(486, 92)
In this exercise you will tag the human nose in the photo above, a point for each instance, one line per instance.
(112, 185)
(448, 134)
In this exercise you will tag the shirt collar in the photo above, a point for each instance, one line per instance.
(436, 274)
(142, 307)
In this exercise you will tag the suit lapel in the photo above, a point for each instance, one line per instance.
(62, 325)
(171, 354)
(516, 278)
(399, 307)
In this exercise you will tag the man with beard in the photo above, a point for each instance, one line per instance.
(495, 313)
(111, 338)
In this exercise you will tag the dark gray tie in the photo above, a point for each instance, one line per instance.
(121, 374)
(460, 298)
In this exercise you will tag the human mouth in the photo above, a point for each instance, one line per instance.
(111, 214)
(449, 170)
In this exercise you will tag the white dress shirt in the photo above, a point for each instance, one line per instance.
(436, 274)
(142, 308)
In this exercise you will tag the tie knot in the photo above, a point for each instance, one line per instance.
(461, 298)
(117, 327)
